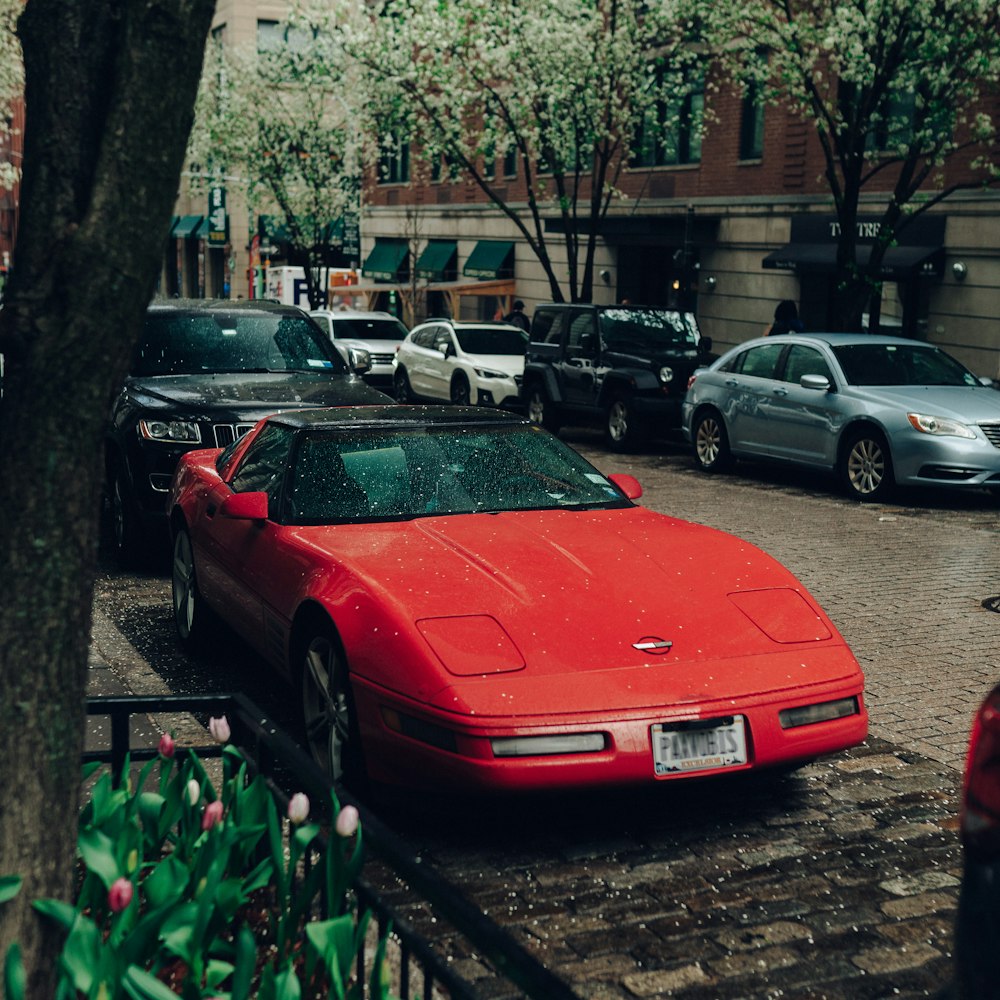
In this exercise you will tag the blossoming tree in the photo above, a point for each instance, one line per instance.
(895, 92)
(276, 119)
(110, 87)
(11, 83)
(565, 88)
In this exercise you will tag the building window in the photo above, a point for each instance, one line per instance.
(510, 162)
(751, 124)
(670, 135)
(394, 163)
(892, 127)
(270, 36)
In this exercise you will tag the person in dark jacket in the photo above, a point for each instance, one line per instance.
(517, 317)
(786, 319)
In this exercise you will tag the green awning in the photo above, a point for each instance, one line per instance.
(185, 226)
(201, 231)
(438, 260)
(385, 262)
(490, 259)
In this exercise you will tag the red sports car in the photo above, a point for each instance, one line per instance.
(458, 597)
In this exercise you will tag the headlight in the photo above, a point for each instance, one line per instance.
(489, 373)
(666, 374)
(182, 431)
(939, 425)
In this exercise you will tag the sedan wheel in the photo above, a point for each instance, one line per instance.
(191, 616)
(866, 467)
(711, 444)
(328, 710)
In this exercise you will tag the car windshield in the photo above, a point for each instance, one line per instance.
(625, 329)
(179, 342)
(901, 364)
(368, 329)
(492, 340)
(424, 471)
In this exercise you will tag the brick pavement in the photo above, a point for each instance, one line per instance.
(838, 882)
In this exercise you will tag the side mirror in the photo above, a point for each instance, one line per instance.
(818, 382)
(359, 360)
(245, 507)
(629, 485)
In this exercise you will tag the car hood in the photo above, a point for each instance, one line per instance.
(375, 346)
(519, 607)
(252, 391)
(509, 363)
(966, 404)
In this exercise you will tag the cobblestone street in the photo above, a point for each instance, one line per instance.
(838, 881)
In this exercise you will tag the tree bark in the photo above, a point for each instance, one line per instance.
(110, 87)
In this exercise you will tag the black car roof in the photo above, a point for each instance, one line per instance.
(397, 416)
(203, 306)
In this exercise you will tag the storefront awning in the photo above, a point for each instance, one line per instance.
(185, 226)
(437, 262)
(898, 262)
(201, 230)
(385, 262)
(490, 259)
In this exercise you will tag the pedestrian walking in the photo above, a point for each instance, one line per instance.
(517, 317)
(786, 319)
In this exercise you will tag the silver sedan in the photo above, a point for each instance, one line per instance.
(878, 411)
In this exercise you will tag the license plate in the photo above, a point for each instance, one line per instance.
(682, 748)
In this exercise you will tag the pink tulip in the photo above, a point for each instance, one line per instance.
(166, 746)
(298, 808)
(212, 815)
(347, 821)
(120, 895)
(219, 728)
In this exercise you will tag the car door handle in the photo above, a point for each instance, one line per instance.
(780, 391)
(732, 383)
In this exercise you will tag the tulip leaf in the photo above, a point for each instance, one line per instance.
(217, 972)
(81, 953)
(98, 853)
(10, 886)
(334, 942)
(167, 881)
(14, 979)
(246, 963)
(150, 807)
(177, 932)
(140, 985)
(286, 986)
(56, 910)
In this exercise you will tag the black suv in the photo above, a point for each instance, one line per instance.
(623, 366)
(204, 372)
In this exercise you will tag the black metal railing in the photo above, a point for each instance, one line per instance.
(271, 753)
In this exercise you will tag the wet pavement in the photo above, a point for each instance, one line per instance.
(838, 881)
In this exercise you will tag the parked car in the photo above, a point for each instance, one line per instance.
(378, 333)
(204, 372)
(461, 361)
(977, 923)
(624, 367)
(462, 601)
(878, 411)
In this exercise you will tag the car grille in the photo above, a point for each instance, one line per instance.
(381, 359)
(227, 433)
(992, 432)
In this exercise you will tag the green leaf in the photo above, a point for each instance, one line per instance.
(150, 806)
(140, 985)
(246, 962)
(167, 882)
(177, 932)
(217, 973)
(14, 979)
(57, 910)
(81, 953)
(10, 886)
(286, 986)
(334, 942)
(98, 853)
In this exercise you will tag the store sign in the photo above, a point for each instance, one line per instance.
(218, 220)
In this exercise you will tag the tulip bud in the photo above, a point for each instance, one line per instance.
(347, 821)
(212, 815)
(120, 895)
(219, 728)
(298, 808)
(193, 792)
(166, 747)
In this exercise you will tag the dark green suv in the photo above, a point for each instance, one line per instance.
(625, 367)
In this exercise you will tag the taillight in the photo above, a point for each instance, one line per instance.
(981, 788)
(691, 380)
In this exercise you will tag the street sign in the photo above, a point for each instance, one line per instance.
(218, 220)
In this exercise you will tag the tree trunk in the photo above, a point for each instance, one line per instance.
(110, 87)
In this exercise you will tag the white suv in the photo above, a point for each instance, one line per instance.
(379, 333)
(477, 363)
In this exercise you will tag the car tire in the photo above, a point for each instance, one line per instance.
(329, 721)
(461, 394)
(192, 617)
(542, 411)
(711, 442)
(621, 428)
(126, 539)
(865, 466)
(401, 387)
